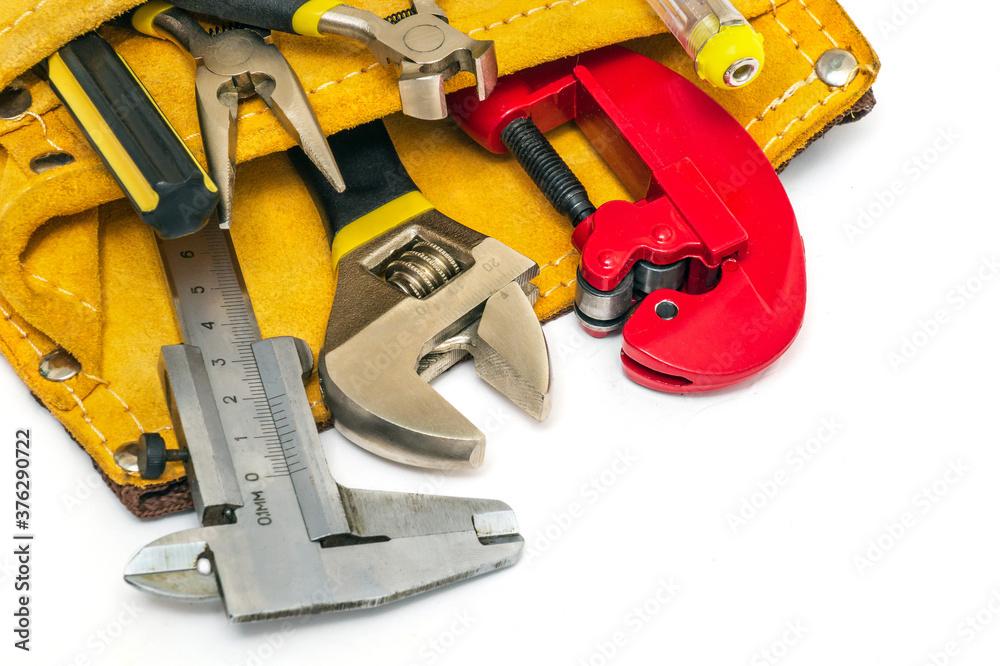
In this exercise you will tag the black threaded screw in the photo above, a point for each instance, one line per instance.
(547, 169)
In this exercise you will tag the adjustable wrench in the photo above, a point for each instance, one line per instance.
(705, 273)
(232, 65)
(416, 293)
(419, 43)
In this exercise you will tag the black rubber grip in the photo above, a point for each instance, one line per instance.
(371, 169)
(185, 203)
(269, 14)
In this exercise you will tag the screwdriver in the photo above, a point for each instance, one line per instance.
(727, 51)
(166, 185)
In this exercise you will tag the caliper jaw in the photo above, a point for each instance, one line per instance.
(407, 544)
(305, 544)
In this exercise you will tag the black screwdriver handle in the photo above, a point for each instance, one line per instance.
(168, 188)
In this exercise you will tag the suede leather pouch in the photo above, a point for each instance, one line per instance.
(79, 270)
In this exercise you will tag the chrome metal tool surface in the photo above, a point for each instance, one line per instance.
(416, 293)
(418, 43)
(233, 64)
(279, 535)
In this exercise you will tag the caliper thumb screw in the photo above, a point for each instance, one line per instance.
(153, 455)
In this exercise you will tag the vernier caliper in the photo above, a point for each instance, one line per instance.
(280, 536)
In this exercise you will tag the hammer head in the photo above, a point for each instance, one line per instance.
(384, 345)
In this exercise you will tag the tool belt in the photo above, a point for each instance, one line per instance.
(79, 271)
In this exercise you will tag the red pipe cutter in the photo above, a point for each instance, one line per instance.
(705, 272)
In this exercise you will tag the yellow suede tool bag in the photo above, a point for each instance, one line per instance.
(80, 273)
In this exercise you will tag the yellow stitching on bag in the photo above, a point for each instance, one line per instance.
(821, 27)
(784, 98)
(24, 334)
(527, 14)
(22, 17)
(774, 12)
(45, 128)
(804, 116)
(127, 408)
(559, 286)
(86, 415)
(557, 261)
(344, 78)
(106, 384)
(58, 288)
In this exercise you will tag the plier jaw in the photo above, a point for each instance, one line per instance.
(423, 49)
(233, 64)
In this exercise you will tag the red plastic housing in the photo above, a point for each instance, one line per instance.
(704, 190)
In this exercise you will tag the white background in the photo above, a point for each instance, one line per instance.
(660, 524)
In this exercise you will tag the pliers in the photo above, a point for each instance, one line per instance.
(235, 63)
(418, 43)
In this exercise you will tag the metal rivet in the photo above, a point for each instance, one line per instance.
(14, 101)
(666, 310)
(837, 67)
(58, 366)
(127, 457)
(50, 160)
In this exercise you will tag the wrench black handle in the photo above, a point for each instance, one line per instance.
(298, 16)
(372, 171)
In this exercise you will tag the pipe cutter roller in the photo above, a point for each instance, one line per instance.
(704, 273)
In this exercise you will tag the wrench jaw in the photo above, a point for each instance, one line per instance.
(383, 346)
(394, 423)
(511, 354)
